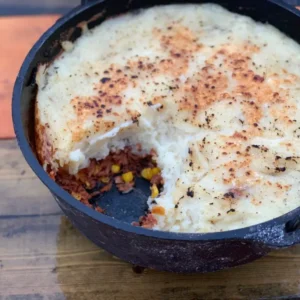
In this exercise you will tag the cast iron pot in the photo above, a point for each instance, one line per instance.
(176, 252)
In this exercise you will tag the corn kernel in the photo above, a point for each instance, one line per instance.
(104, 179)
(87, 184)
(147, 173)
(155, 171)
(154, 191)
(115, 169)
(76, 196)
(96, 170)
(127, 177)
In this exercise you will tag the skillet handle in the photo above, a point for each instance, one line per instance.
(279, 235)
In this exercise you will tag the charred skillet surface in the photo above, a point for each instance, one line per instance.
(160, 250)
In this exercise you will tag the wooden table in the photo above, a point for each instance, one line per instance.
(42, 256)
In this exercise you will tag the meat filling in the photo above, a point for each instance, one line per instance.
(119, 168)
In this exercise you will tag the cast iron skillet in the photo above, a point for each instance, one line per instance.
(177, 252)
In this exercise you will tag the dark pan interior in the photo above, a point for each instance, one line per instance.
(130, 206)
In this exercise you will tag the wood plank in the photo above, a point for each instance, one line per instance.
(17, 7)
(22, 193)
(18, 34)
(47, 257)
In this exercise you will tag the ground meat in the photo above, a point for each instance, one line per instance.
(85, 178)
(137, 224)
(73, 186)
(131, 161)
(96, 193)
(124, 187)
(100, 168)
(148, 221)
(118, 179)
(52, 175)
(99, 209)
(99, 178)
(121, 158)
(157, 179)
(106, 188)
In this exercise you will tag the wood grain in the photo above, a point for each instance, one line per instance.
(32, 7)
(21, 191)
(42, 256)
(47, 257)
(18, 34)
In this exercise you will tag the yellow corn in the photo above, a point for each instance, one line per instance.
(147, 173)
(87, 184)
(104, 179)
(155, 171)
(76, 196)
(127, 177)
(115, 169)
(154, 191)
(96, 170)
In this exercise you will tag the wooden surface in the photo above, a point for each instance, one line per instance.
(43, 257)
(18, 34)
(34, 7)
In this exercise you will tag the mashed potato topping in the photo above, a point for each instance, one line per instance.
(214, 94)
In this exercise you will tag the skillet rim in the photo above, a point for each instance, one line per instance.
(57, 191)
